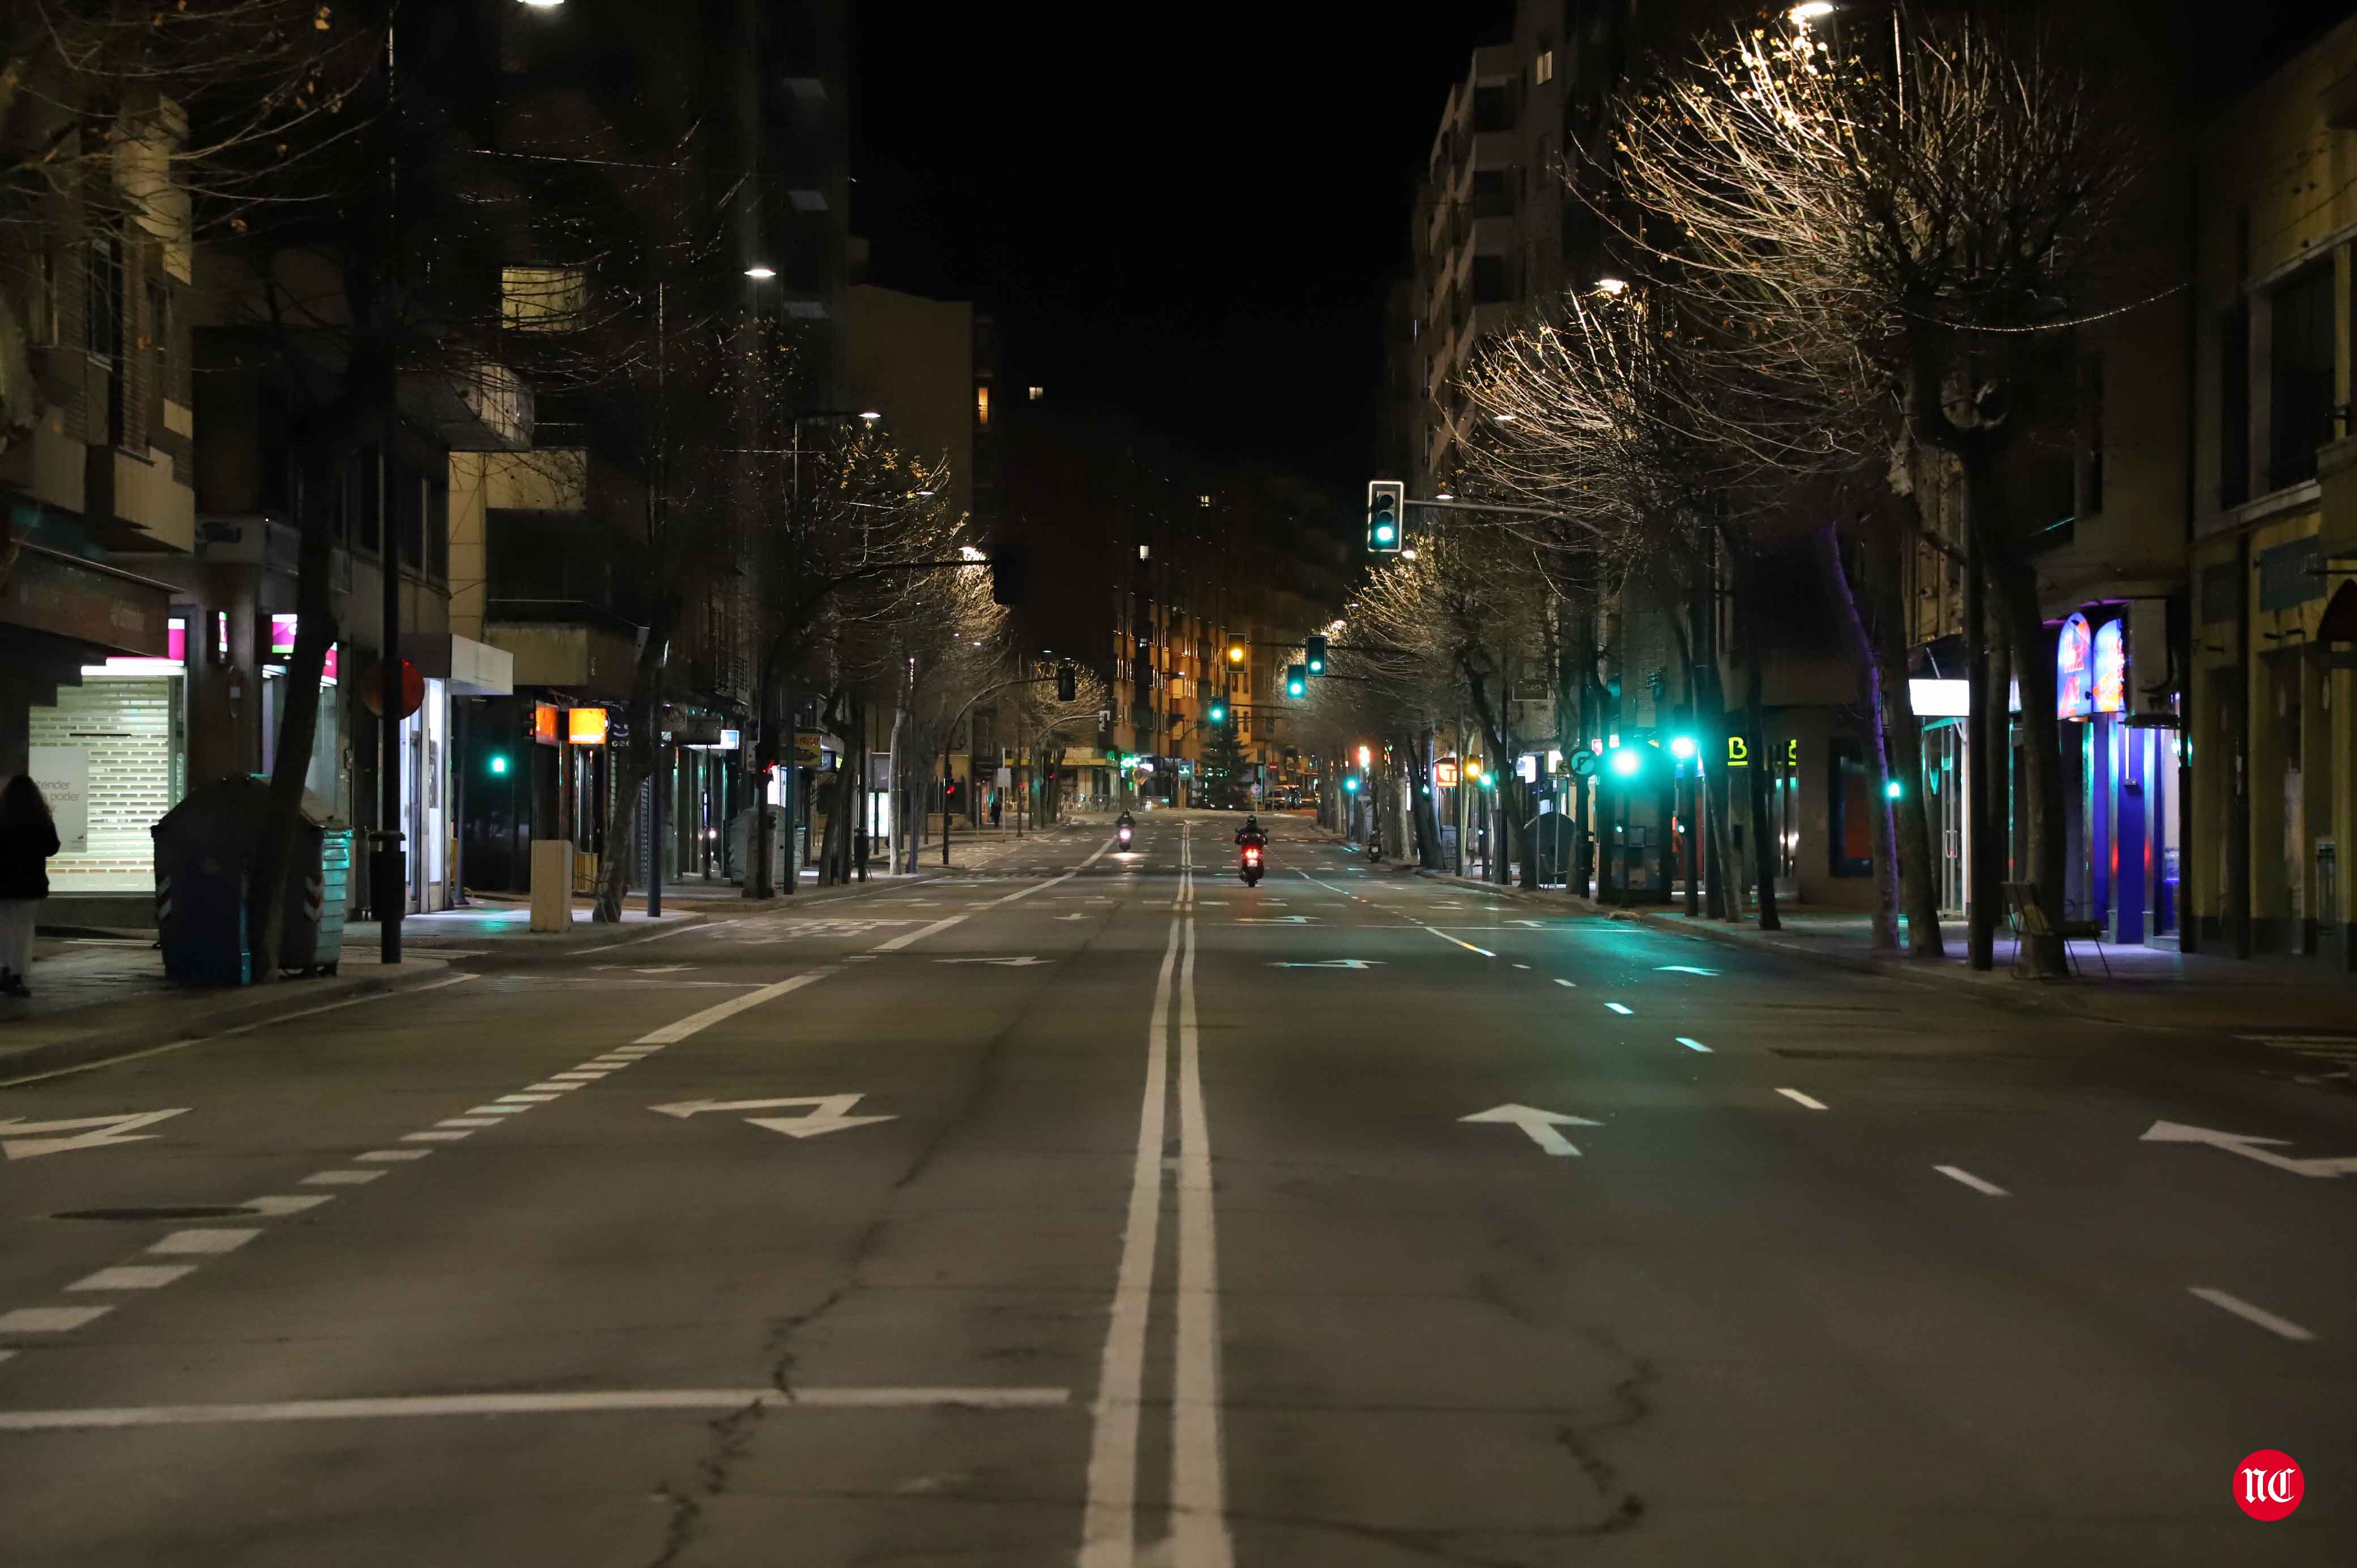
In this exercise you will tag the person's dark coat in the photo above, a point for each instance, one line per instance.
(25, 851)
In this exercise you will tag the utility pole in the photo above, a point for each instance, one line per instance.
(389, 877)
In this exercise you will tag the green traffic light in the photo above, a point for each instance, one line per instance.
(1219, 714)
(498, 763)
(1295, 688)
(1350, 784)
(1891, 789)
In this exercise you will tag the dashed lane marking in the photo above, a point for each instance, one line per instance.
(1797, 1098)
(2282, 1327)
(1958, 1174)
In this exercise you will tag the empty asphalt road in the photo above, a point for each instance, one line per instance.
(1098, 1210)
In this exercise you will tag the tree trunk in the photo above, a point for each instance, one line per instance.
(634, 762)
(1421, 800)
(315, 632)
(1755, 745)
(1919, 881)
(2013, 583)
(1872, 683)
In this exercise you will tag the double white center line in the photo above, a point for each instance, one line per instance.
(1199, 1527)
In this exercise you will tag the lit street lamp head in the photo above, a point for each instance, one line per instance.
(758, 273)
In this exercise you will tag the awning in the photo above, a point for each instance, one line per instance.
(473, 668)
(65, 595)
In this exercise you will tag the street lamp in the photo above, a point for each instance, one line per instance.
(1810, 10)
(1611, 285)
(757, 272)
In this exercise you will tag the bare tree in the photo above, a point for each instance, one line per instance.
(1935, 214)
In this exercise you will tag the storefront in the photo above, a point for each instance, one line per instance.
(2119, 759)
(112, 756)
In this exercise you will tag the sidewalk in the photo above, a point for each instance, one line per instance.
(2149, 985)
(98, 993)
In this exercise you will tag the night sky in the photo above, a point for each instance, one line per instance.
(1194, 222)
(1193, 217)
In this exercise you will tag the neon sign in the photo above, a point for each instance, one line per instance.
(2073, 693)
(2111, 684)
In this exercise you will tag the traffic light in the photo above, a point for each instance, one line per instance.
(1387, 500)
(1314, 648)
(1297, 680)
(497, 764)
(1235, 653)
(1891, 790)
(1219, 714)
(1068, 683)
(1007, 563)
(1351, 784)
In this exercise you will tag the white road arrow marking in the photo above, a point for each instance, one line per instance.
(2250, 1147)
(1024, 961)
(1334, 963)
(1540, 1124)
(827, 1113)
(85, 1132)
(1682, 968)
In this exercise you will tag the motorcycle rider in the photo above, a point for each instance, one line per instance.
(1250, 834)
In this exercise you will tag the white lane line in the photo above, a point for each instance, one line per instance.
(276, 1203)
(1986, 1188)
(1108, 1522)
(1694, 1045)
(675, 931)
(526, 1099)
(202, 1244)
(1445, 937)
(1797, 1098)
(49, 1319)
(1566, 984)
(437, 1136)
(696, 1022)
(391, 1156)
(581, 1075)
(5, 1354)
(1624, 1012)
(489, 1115)
(338, 1178)
(1199, 1524)
(553, 1084)
(418, 1405)
(238, 1030)
(469, 1121)
(2240, 1308)
(1522, 966)
(906, 938)
(134, 1276)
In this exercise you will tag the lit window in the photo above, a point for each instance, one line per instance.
(981, 406)
(1038, 393)
(543, 299)
(1544, 71)
(1204, 499)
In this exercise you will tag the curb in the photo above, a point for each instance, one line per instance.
(284, 999)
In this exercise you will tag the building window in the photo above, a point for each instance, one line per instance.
(2301, 388)
(2235, 404)
(1038, 393)
(102, 314)
(543, 299)
(41, 327)
(981, 406)
(1542, 71)
(1491, 282)
(1493, 109)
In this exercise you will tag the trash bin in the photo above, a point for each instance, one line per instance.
(331, 894)
(740, 840)
(204, 852)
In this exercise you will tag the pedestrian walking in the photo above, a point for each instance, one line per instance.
(997, 803)
(29, 836)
